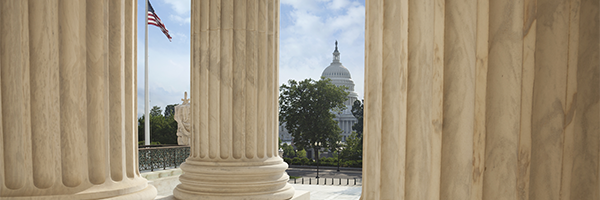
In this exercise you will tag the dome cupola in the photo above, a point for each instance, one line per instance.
(336, 69)
(339, 74)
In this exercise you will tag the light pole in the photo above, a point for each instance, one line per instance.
(338, 162)
(339, 155)
(317, 144)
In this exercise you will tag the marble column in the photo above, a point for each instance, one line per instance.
(480, 99)
(68, 86)
(234, 103)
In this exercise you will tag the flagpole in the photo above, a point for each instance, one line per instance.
(146, 104)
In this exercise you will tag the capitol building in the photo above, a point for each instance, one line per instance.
(340, 76)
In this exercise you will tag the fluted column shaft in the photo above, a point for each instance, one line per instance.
(67, 76)
(480, 99)
(234, 103)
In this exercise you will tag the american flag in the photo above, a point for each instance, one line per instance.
(153, 19)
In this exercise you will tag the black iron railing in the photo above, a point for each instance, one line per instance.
(153, 157)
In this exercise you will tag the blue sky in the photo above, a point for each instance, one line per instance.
(308, 31)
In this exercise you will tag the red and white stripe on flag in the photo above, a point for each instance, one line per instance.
(153, 19)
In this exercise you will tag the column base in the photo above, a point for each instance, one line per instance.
(301, 195)
(136, 188)
(147, 193)
(265, 179)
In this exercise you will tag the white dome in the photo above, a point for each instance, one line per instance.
(340, 75)
(336, 70)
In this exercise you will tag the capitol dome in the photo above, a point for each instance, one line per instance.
(336, 70)
(340, 75)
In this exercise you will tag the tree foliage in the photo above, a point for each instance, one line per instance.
(288, 151)
(170, 110)
(163, 129)
(353, 148)
(358, 110)
(307, 107)
(301, 154)
(155, 111)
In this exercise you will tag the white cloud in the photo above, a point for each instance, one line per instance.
(338, 4)
(308, 32)
(182, 10)
(169, 69)
(309, 29)
(181, 20)
(168, 77)
(181, 38)
(181, 7)
(302, 4)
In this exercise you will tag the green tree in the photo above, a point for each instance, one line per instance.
(280, 143)
(358, 110)
(155, 111)
(307, 107)
(170, 110)
(353, 148)
(163, 130)
(288, 150)
(301, 154)
(141, 133)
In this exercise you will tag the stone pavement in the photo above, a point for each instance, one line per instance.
(166, 180)
(326, 192)
(317, 192)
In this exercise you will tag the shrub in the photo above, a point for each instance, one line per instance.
(287, 160)
(305, 161)
(296, 161)
(288, 151)
(326, 162)
(350, 163)
(301, 154)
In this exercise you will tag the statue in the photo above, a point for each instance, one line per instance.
(182, 116)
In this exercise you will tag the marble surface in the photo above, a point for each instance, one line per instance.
(164, 181)
(464, 99)
(234, 88)
(183, 118)
(68, 100)
(482, 100)
(298, 195)
(322, 192)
